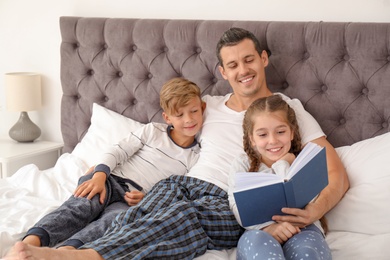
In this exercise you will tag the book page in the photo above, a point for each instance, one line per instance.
(307, 153)
(250, 180)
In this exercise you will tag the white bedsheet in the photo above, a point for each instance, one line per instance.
(29, 194)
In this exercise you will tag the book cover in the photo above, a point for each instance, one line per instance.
(260, 200)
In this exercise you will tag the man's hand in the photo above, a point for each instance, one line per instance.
(94, 186)
(282, 231)
(299, 217)
(329, 196)
(134, 197)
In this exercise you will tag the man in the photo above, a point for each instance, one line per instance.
(182, 217)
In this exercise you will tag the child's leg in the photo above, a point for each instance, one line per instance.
(308, 244)
(73, 215)
(257, 244)
(97, 228)
(115, 203)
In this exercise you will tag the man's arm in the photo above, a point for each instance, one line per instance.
(328, 198)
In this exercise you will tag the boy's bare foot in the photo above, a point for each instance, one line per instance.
(32, 240)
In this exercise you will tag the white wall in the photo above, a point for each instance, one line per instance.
(30, 36)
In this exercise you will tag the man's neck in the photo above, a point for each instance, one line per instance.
(241, 103)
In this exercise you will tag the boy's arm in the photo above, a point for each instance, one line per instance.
(90, 170)
(328, 198)
(134, 197)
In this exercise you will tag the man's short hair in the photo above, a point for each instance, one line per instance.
(232, 37)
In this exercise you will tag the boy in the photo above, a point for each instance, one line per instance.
(135, 164)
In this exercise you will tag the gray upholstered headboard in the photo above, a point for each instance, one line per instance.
(340, 71)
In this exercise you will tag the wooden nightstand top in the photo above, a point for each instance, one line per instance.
(10, 149)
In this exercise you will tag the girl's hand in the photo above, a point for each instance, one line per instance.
(289, 157)
(134, 197)
(282, 231)
(96, 185)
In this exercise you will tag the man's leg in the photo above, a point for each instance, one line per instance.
(180, 218)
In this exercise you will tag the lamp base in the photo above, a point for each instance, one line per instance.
(24, 130)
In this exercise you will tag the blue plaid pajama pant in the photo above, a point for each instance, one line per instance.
(180, 218)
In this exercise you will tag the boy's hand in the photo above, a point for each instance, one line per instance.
(282, 231)
(89, 170)
(134, 197)
(94, 186)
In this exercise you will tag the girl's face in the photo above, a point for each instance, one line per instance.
(271, 136)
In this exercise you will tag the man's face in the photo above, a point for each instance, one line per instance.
(243, 67)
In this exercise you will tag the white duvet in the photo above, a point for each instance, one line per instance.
(29, 194)
(359, 224)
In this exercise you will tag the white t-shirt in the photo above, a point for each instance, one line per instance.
(149, 155)
(221, 137)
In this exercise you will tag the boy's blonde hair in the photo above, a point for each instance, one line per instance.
(177, 93)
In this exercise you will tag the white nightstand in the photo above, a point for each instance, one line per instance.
(14, 155)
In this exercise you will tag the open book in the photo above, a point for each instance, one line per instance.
(259, 196)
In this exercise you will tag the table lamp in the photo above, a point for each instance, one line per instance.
(23, 92)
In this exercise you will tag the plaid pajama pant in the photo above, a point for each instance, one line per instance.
(180, 218)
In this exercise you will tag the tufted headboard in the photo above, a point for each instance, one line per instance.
(339, 71)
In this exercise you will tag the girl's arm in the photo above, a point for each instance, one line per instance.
(282, 231)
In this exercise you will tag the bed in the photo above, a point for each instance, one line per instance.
(112, 70)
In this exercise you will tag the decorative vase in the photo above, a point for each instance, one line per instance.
(24, 130)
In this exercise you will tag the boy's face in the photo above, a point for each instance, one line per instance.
(271, 136)
(243, 67)
(187, 121)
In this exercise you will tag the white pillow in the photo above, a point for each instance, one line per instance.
(107, 128)
(365, 207)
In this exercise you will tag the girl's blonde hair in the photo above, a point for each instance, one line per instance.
(272, 103)
(177, 93)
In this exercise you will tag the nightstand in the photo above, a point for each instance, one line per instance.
(14, 155)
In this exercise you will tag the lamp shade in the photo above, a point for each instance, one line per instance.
(23, 91)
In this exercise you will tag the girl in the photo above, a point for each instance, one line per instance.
(271, 142)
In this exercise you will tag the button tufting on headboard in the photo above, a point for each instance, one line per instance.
(338, 70)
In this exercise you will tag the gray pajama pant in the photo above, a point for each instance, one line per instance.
(180, 218)
(309, 244)
(79, 220)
